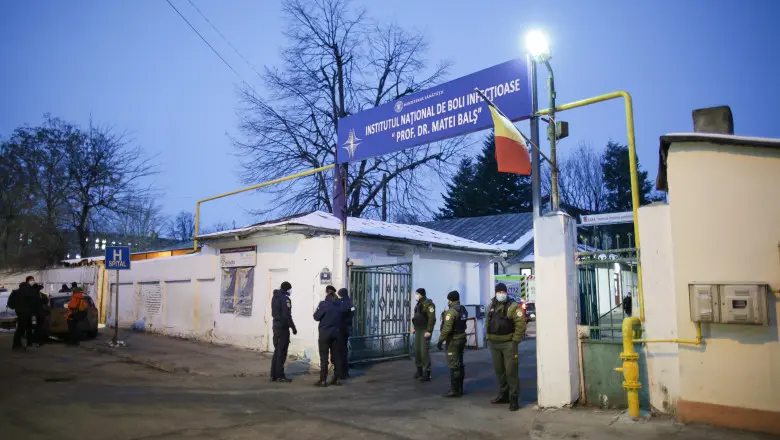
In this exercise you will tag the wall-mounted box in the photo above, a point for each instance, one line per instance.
(705, 302)
(744, 304)
(734, 303)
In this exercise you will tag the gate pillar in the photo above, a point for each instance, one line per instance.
(558, 377)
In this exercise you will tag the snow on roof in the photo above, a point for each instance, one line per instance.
(517, 244)
(360, 226)
(509, 232)
(726, 137)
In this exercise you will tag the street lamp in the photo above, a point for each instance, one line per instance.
(538, 48)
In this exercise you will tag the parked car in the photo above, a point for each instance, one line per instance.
(530, 311)
(57, 323)
(7, 316)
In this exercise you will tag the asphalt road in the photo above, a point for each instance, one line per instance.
(75, 393)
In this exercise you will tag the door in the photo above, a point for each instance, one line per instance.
(275, 279)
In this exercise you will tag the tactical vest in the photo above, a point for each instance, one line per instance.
(500, 323)
(420, 319)
(459, 326)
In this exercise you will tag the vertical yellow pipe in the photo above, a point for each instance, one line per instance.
(197, 226)
(630, 367)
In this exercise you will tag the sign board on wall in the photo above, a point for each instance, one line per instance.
(441, 112)
(118, 257)
(606, 219)
(238, 257)
(325, 276)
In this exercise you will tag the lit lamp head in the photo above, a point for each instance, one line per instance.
(537, 46)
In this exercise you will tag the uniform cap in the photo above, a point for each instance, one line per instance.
(453, 296)
(421, 291)
(500, 287)
(286, 286)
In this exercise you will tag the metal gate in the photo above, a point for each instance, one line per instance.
(382, 296)
(606, 277)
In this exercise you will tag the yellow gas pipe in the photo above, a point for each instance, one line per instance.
(630, 368)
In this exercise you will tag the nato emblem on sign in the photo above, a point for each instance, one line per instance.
(351, 144)
(118, 257)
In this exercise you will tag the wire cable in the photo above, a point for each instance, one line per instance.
(251, 66)
(204, 40)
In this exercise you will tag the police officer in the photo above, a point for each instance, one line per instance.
(330, 314)
(346, 330)
(422, 326)
(505, 325)
(453, 332)
(281, 311)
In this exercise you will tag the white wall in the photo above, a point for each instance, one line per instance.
(725, 220)
(663, 361)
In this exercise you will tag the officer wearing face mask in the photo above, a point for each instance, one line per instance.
(422, 327)
(505, 325)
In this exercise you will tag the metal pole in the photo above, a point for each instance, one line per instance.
(116, 311)
(536, 187)
(552, 136)
(343, 234)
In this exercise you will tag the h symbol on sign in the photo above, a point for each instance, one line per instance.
(117, 254)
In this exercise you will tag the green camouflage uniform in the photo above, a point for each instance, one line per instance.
(503, 347)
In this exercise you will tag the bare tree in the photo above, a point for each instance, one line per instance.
(142, 220)
(581, 179)
(105, 174)
(338, 62)
(181, 227)
(218, 227)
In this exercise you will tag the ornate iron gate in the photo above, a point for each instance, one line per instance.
(382, 298)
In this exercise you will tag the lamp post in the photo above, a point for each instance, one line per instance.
(539, 49)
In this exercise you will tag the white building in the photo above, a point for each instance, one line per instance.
(222, 294)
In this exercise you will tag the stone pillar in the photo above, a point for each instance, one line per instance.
(557, 365)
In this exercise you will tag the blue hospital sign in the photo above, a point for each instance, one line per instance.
(118, 257)
(448, 110)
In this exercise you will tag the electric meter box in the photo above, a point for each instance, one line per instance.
(705, 302)
(734, 303)
(743, 304)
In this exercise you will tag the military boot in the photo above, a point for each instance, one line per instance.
(335, 380)
(501, 398)
(514, 404)
(453, 392)
(418, 374)
(426, 377)
(323, 382)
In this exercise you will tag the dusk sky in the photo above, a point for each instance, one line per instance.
(137, 66)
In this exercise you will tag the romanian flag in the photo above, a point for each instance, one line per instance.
(511, 151)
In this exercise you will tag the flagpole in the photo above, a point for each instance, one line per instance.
(533, 144)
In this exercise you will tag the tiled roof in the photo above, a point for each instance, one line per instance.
(510, 232)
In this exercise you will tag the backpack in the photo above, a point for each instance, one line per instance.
(12, 299)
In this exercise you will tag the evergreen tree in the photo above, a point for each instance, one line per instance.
(478, 189)
(617, 179)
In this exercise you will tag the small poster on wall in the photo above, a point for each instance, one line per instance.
(238, 257)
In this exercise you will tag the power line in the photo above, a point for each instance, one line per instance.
(204, 40)
(251, 66)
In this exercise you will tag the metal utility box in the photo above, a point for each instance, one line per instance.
(705, 302)
(735, 303)
(744, 304)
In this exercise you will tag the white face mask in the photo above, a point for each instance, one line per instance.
(500, 297)
(419, 297)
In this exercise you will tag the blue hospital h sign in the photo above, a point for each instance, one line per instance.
(118, 257)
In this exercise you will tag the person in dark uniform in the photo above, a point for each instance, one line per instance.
(20, 301)
(505, 324)
(41, 306)
(346, 330)
(281, 311)
(330, 315)
(453, 332)
(422, 326)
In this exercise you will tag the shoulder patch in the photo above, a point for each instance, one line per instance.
(519, 313)
(431, 309)
(447, 317)
(289, 304)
